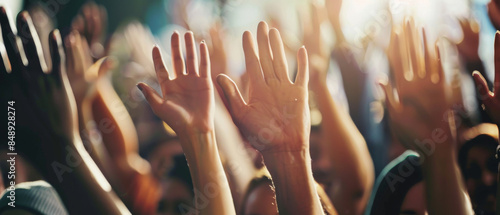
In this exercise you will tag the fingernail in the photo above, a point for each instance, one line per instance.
(139, 86)
(203, 41)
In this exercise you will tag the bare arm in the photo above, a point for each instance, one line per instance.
(187, 106)
(275, 119)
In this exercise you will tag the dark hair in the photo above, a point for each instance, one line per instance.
(393, 183)
(180, 171)
(482, 140)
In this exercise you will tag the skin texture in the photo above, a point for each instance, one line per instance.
(417, 117)
(187, 105)
(49, 123)
(275, 119)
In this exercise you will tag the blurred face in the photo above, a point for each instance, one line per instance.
(176, 199)
(162, 158)
(321, 164)
(261, 201)
(414, 202)
(480, 177)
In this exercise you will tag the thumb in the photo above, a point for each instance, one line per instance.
(231, 92)
(153, 98)
(481, 86)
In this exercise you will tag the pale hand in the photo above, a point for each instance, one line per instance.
(275, 117)
(423, 103)
(188, 99)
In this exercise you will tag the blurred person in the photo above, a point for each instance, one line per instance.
(399, 188)
(479, 166)
(47, 130)
(491, 104)
(340, 159)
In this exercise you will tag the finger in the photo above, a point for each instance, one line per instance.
(251, 59)
(68, 44)
(482, 87)
(191, 58)
(31, 43)
(10, 40)
(57, 55)
(5, 66)
(439, 76)
(108, 64)
(427, 57)
(161, 70)
(397, 59)
(89, 25)
(265, 55)
(410, 45)
(177, 59)
(279, 59)
(97, 22)
(390, 101)
(204, 60)
(86, 53)
(153, 98)
(497, 65)
(232, 94)
(78, 24)
(302, 78)
(316, 23)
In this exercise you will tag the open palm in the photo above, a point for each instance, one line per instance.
(276, 116)
(187, 100)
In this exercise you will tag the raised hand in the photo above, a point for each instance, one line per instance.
(188, 100)
(469, 45)
(319, 54)
(82, 73)
(421, 119)
(333, 7)
(420, 85)
(92, 24)
(187, 105)
(491, 100)
(276, 116)
(46, 126)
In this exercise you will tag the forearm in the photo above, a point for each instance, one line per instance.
(209, 180)
(90, 138)
(293, 181)
(345, 143)
(80, 184)
(117, 129)
(348, 152)
(445, 188)
(237, 163)
(353, 77)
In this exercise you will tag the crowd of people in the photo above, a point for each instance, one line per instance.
(123, 122)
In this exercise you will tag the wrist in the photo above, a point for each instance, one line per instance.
(275, 161)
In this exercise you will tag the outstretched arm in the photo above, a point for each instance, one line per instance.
(275, 119)
(187, 105)
(421, 118)
(47, 130)
(347, 150)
